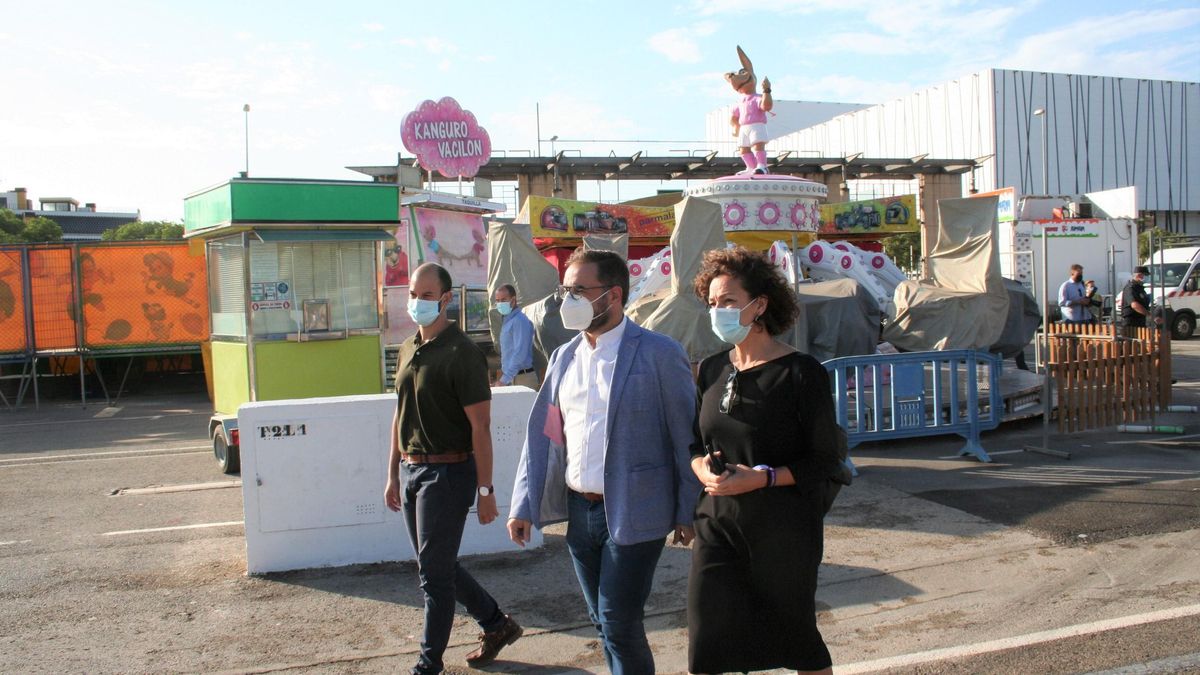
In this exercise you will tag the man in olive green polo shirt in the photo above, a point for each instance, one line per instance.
(440, 461)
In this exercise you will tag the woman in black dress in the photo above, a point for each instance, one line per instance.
(766, 413)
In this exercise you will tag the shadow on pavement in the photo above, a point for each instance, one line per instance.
(1084, 514)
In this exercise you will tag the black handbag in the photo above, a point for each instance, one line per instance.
(832, 485)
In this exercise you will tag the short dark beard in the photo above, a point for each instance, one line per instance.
(600, 320)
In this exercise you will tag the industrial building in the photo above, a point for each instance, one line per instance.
(78, 222)
(1040, 133)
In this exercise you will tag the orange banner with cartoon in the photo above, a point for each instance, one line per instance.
(143, 295)
(51, 279)
(12, 302)
(550, 217)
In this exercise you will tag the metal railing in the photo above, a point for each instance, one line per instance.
(884, 396)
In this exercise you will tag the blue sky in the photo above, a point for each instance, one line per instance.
(136, 104)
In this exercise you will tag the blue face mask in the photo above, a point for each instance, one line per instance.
(504, 308)
(727, 323)
(424, 312)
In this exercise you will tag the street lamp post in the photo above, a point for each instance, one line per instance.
(1045, 351)
(1040, 113)
(246, 116)
(553, 154)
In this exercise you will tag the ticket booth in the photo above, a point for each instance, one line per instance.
(294, 299)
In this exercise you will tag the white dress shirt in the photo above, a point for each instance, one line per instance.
(583, 397)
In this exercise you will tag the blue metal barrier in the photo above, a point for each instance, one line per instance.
(883, 396)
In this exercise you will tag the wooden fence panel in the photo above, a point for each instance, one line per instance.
(1106, 375)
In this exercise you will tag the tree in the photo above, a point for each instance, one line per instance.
(1162, 239)
(38, 229)
(904, 249)
(10, 225)
(17, 230)
(140, 230)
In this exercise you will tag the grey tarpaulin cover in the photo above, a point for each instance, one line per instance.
(548, 331)
(837, 318)
(965, 304)
(681, 314)
(646, 305)
(617, 243)
(513, 259)
(1022, 322)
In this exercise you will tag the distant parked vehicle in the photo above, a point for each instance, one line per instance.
(1175, 284)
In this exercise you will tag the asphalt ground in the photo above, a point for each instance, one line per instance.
(121, 550)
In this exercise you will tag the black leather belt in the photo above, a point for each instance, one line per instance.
(527, 370)
(442, 458)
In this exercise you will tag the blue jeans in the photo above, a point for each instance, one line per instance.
(435, 499)
(616, 583)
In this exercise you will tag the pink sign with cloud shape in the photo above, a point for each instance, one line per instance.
(445, 138)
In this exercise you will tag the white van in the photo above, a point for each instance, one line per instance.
(1176, 275)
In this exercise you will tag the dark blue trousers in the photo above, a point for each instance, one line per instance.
(616, 584)
(435, 500)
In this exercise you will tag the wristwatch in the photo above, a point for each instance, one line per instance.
(486, 491)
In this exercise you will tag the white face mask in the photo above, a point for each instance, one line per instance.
(424, 312)
(727, 323)
(577, 313)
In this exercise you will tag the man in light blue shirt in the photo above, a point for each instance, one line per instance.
(1073, 298)
(516, 341)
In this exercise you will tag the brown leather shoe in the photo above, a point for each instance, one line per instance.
(491, 643)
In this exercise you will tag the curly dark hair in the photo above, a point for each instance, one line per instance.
(759, 277)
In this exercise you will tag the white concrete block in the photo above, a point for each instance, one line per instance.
(314, 471)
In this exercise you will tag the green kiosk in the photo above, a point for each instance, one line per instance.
(294, 291)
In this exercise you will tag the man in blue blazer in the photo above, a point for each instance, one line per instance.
(608, 451)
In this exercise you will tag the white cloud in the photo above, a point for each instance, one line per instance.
(322, 99)
(680, 45)
(97, 62)
(1093, 45)
(709, 85)
(210, 80)
(861, 42)
(715, 7)
(966, 36)
(839, 88)
(373, 27)
(947, 29)
(433, 45)
(564, 115)
(388, 97)
(288, 77)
